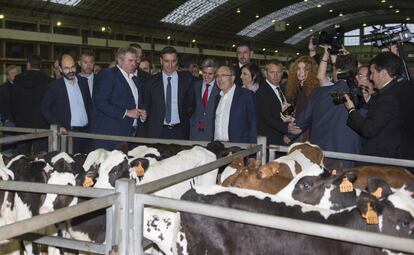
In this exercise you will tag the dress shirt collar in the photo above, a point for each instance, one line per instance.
(70, 82)
(230, 92)
(164, 75)
(125, 73)
(272, 85)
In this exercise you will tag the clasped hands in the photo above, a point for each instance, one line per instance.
(137, 113)
(292, 128)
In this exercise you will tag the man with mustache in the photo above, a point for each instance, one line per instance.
(67, 102)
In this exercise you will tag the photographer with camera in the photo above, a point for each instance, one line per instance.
(324, 118)
(388, 126)
(364, 83)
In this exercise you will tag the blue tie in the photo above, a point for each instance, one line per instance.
(168, 101)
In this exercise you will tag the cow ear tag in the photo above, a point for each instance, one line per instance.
(139, 170)
(346, 185)
(334, 172)
(377, 193)
(371, 216)
(88, 182)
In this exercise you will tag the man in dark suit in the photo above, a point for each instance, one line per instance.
(68, 103)
(202, 121)
(87, 62)
(388, 126)
(118, 99)
(244, 55)
(26, 98)
(169, 100)
(270, 104)
(235, 114)
(5, 93)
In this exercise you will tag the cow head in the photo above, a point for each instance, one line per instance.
(138, 167)
(313, 152)
(114, 167)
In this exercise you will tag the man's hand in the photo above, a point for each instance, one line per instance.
(133, 113)
(63, 131)
(348, 103)
(143, 115)
(286, 140)
(287, 118)
(293, 129)
(311, 47)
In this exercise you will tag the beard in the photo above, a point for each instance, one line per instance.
(70, 75)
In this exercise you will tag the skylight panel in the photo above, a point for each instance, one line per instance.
(64, 2)
(187, 13)
(264, 23)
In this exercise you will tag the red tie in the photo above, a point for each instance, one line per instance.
(205, 96)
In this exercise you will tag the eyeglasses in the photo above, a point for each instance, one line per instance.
(362, 75)
(219, 76)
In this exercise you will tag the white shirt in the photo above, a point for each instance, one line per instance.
(133, 87)
(223, 115)
(79, 117)
(276, 92)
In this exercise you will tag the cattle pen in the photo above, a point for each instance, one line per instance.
(126, 202)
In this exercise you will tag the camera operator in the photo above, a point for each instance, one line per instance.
(388, 127)
(364, 83)
(324, 118)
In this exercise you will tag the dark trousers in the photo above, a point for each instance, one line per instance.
(80, 145)
(172, 132)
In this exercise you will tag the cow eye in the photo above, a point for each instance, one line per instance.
(306, 185)
(405, 223)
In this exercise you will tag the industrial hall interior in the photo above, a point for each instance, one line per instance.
(228, 127)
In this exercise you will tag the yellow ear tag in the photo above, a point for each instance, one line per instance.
(346, 185)
(377, 193)
(88, 182)
(371, 216)
(139, 170)
(334, 172)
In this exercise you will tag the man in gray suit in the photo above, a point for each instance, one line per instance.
(202, 121)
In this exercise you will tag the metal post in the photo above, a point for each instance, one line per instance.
(53, 139)
(70, 144)
(63, 143)
(272, 154)
(138, 224)
(123, 215)
(262, 140)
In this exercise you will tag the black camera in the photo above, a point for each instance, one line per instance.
(385, 36)
(335, 41)
(354, 92)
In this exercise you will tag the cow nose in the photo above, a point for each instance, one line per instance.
(44, 209)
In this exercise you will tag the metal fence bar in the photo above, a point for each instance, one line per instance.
(63, 143)
(283, 223)
(138, 222)
(176, 178)
(70, 144)
(54, 143)
(65, 243)
(44, 220)
(18, 138)
(354, 157)
(23, 130)
(54, 189)
(263, 141)
(150, 140)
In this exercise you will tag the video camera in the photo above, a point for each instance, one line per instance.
(385, 36)
(354, 93)
(335, 41)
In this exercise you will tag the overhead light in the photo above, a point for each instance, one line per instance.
(64, 2)
(300, 27)
(58, 23)
(408, 18)
(103, 29)
(264, 49)
(305, 0)
(287, 24)
(276, 51)
(257, 16)
(391, 6)
(233, 46)
(364, 25)
(318, 5)
(238, 11)
(273, 20)
(193, 41)
(397, 11)
(190, 11)
(297, 53)
(331, 10)
(383, 1)
(311, 30)
(168, 37)
(1, 16)
(340, 14)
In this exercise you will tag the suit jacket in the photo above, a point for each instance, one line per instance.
(112, 97)
(242, 122)
(238, 80)
(268, 111)
(5, 94)
(56, 105)
(155, 103)
(387, 123)
(203, 114)
(26, 98)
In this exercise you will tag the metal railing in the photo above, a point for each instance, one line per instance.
(348, 156)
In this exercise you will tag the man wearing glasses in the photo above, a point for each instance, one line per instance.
(364, 82)
(235, 119)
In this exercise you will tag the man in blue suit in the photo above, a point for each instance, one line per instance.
(235, 114)
(202, 121)
(118, 99)
(67, 102)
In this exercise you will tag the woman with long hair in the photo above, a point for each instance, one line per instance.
(251, 76)
(302, 79)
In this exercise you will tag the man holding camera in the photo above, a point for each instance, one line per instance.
(388, 127)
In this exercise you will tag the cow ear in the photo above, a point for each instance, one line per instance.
(238, 162)
(368, 202)
(378, 187)
(122, 146)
